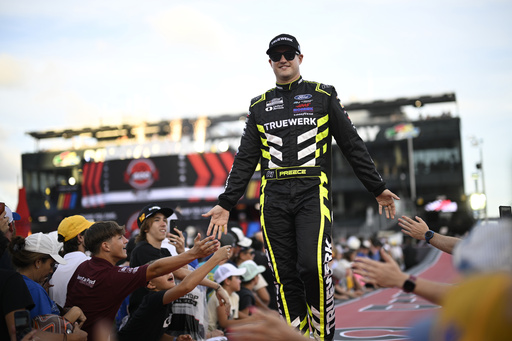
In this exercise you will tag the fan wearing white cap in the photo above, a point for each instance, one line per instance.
(241, 241)
(34, 258)
(228, 276)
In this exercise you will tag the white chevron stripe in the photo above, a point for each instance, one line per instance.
(306, 151)
(307, 135)
(315, 312)
(295, 323)
(276, 153)
(274, 139)
(272, 165)
(315, 321)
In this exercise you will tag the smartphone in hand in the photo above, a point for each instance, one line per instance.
(23, 323)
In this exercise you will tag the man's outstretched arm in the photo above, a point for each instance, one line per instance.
(387, 274)
(417, 229)
(202, 248)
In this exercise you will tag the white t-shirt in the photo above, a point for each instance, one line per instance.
(213, 303)
(62, 275)
(172, 249)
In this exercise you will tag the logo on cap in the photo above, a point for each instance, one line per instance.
(142, 217)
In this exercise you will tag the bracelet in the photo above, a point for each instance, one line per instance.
(217, 289)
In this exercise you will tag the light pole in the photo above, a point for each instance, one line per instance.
(476, 142)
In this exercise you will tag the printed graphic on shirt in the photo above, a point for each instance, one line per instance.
(86, 281)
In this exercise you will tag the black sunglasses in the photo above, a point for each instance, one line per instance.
(289, 55)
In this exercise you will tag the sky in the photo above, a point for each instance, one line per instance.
(69, 64)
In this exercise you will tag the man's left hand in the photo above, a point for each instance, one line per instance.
(205, 247)
(386, 201)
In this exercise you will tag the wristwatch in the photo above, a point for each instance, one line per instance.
(409, 284)
(428, 235)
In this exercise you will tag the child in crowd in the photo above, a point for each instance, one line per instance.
(99, 287)
(249, 280)
(228, 276)
(147, 322)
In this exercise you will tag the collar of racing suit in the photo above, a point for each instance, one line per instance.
(290, 86)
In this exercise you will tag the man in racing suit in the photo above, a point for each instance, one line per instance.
(289, 131)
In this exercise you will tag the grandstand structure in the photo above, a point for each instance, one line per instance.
(110, 172)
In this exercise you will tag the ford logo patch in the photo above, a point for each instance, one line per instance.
(302, 97)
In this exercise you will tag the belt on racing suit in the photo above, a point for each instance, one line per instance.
(292, 172)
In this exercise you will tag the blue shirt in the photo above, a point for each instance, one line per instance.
(43, 304)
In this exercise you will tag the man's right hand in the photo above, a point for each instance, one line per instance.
(205, 247)
(218, 222)
(414, 228)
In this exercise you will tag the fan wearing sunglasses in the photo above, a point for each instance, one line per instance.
(289, 132)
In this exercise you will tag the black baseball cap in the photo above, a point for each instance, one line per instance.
(151, 209)
(284, 39)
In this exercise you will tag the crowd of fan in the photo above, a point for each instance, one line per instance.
(86, 281)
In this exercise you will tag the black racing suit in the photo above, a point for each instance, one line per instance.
(288, 129)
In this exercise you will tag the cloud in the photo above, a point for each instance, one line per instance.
(11, 71)
(187, 26)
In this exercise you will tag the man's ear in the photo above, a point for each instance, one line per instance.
(150, 286)
(105, 246)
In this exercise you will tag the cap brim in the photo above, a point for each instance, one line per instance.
(234, 272)
(59, 259)
(239, 272)
(246, 242)
(166, 211)
(16, 216)
(261, 269)
(269, 51)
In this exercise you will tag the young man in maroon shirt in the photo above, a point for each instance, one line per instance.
(98, 286)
